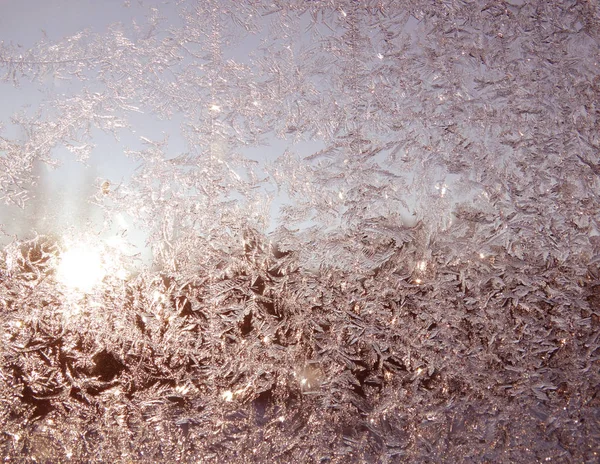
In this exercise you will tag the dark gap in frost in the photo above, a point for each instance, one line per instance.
(246, 325)
(106, 366)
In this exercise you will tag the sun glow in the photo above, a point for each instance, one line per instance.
(81, 268)
(85, 262)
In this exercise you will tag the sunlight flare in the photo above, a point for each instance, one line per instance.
(81, 268)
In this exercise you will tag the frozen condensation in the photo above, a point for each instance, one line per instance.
(428, 289)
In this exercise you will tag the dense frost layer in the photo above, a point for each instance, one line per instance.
(352, 333)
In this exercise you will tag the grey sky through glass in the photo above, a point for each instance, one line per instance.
(62, 193)
(62, 196)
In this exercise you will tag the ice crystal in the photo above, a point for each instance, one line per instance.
(430, 291)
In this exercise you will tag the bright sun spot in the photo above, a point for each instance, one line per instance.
(81, 268)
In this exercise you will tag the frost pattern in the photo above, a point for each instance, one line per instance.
(353, 332)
